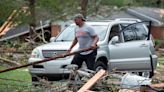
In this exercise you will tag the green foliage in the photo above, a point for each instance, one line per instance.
(58, 8)
(12, 44)
(118, 3)
(121, 3)
(44, 10)
(150, 3)
(157, 42)
(161, 59)
(7, 7)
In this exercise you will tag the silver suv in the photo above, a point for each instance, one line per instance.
(124, 44)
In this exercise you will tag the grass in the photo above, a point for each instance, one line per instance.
(161, 59)
(16, 80)
(21, 80)
(118, 3)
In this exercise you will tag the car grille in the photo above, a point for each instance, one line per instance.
(52, 53)
(38, 66)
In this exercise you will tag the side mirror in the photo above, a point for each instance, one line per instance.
(114, 40)
(52, 39)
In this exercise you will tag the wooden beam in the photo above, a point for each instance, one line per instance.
(7, 27)
(160, 85)
(8, 20)
(92, 81)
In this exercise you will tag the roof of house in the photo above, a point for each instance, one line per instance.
(150, 14)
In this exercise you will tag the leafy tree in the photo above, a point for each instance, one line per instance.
(58, 9)
(8, 6)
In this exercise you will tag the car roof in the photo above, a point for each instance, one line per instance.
(107, 22)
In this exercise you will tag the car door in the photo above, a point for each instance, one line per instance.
(133, 52)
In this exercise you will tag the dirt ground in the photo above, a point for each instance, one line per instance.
(159, 74)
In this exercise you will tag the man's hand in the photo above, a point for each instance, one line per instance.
(68, 51)
(93, 46)
(95, 40)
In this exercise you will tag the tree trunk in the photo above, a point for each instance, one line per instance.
(32, 22)
(84, 7)
(96, 5)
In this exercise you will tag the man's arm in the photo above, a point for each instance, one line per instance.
(95, 40)
(73, 44)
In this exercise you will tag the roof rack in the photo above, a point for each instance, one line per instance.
(128, 19)
(104, 20)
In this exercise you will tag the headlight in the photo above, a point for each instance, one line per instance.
(35, 53)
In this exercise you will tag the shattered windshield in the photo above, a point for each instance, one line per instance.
(69, 33)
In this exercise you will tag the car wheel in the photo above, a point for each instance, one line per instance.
(35, 81)
(100, 65)
(146, 74)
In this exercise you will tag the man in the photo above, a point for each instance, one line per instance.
(86, 37)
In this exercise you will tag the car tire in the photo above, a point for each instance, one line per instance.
(100, 65)
(35, 81)
(146, 74)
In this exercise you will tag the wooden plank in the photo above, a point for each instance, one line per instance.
(8, 26)
(8, 20)
(92, 81)
(160, 85)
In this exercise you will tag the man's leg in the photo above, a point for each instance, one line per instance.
(77, 60)
(90, 60)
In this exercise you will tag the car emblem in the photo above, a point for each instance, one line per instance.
(54, 53)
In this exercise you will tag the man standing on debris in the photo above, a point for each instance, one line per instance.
(86, 37)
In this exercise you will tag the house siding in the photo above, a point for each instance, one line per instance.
(158, 32)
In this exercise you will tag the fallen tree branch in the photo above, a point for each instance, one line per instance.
(9, 61)
(47, 59)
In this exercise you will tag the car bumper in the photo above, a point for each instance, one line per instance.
(50, 67)
(50, 77)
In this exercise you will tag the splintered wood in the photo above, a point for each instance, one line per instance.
(92, 81)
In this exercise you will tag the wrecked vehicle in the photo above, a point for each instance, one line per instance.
(125, 44)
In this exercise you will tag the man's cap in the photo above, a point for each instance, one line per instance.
(79, 16)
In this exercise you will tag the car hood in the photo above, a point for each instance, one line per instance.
(55, 46)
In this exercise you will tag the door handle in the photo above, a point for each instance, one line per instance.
(143, 45)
